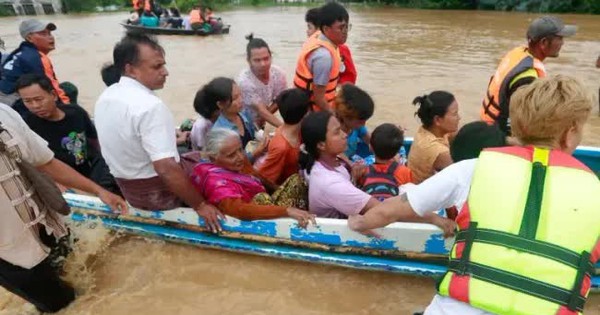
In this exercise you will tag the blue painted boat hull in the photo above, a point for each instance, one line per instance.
(406, 248)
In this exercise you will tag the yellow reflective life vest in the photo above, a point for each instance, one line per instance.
(528, 235)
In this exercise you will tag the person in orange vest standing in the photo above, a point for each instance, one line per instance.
(312, 27)
(319, 64)
(523, 65)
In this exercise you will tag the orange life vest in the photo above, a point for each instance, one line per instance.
(303, 78)
(196, 17)
(495, 102)
(49, 72)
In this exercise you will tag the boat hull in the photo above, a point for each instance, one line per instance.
(174, 31)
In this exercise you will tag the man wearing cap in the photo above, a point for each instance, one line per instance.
(30, 57)
(521, 66)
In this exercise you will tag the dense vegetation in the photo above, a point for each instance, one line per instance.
(558, 6)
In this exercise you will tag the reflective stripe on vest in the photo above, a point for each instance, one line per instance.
(303, 79)
(528, 235)
(496, 99)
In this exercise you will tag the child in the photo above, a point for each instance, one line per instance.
(353, 107)
(282, 156)
(386, 174)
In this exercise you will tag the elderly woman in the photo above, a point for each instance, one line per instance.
(229, 182)
(528, 229)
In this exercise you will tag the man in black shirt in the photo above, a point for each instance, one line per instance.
(70, 133)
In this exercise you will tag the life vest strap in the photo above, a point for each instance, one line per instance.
(568, 298)
(465, 257)
(533, 247)
(535, 195)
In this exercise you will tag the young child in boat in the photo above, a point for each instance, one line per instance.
(353, 107)
(228, 181)
(281, 160)
(382, 179)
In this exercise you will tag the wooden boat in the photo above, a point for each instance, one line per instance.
(406, 248)
(174, 31)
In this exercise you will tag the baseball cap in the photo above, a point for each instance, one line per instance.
(549, 25)
(33, 25)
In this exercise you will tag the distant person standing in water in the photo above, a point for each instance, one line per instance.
(523, 65)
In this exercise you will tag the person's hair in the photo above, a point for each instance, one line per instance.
(312, 16)
(255, 43)
(70, 90)
(293, 105)
(217, 90)
(432, 105)
(215, 139)
(473, 137)
(332, 12)
(127, 50)
(351, 102)
(175, 12)
(544, 110)
(386, 141)
(30, 79)
(313, 130)
(208, 8)
(110, 74)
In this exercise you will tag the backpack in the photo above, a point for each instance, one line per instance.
(381, 185)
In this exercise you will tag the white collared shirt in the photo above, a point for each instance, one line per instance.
(135, 128)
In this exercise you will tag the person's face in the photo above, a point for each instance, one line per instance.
(39, 102)
(150, 69)
(449, 123)
(235, 106)
(231, 156)
(335, 141)
(310, 29)
(552, 45)
(337, 32)
(260, 61)
(42, 40)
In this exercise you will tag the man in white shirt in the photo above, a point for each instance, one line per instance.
(137, 133)
(569, 207)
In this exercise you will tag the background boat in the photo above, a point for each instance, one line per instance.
(174, 31)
